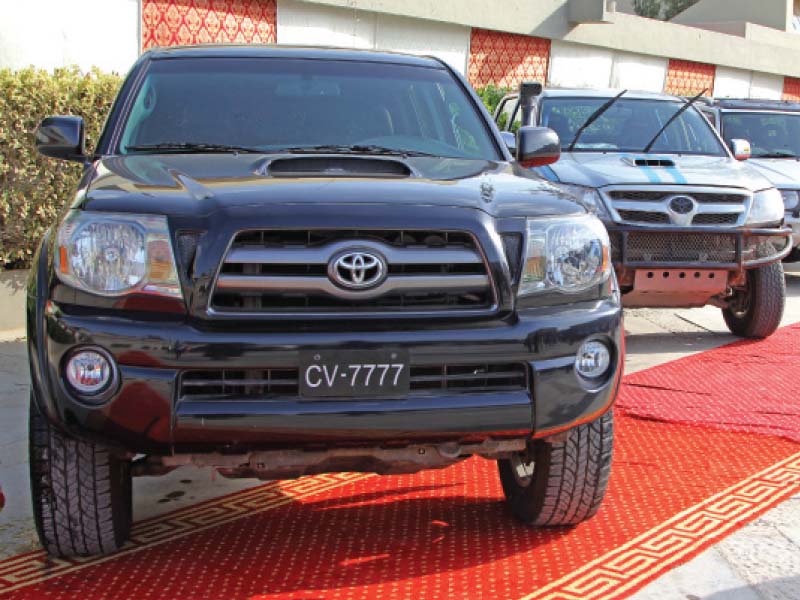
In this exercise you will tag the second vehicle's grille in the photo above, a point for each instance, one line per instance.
(266, 384)
(277, 271)
(675, 206)
(643, 216)
(715, 219)
(659, 195)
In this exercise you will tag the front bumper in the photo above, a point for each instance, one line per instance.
(734, 249)
(146, 414)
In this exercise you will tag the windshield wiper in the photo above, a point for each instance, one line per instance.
(671, 120)
(776, 154)
(349, 149)
(191, 147)
(593, 117)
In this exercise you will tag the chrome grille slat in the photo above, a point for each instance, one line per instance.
(287, 272)
(320, 255)
(322, 285)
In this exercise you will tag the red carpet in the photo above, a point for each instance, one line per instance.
(675, 489)
(745, 386)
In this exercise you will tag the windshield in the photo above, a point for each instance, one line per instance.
(272, 104)
(770, 134)
(629, 125)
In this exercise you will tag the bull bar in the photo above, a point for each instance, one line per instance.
(742, 237)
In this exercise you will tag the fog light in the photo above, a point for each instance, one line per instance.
(593, 359)
(89, 372)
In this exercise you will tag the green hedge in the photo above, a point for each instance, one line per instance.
(491, 96)
(32, 188)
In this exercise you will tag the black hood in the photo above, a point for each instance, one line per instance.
(201, 184)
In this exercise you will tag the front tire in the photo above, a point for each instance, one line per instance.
(756, 311)
(564, 482)
(81, 492)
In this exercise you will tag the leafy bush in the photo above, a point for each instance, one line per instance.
(491, 96)
(32, 188)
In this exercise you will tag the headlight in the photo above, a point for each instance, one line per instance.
(790, 199)
(767, 207)
(588, 197)
(565, 255)
(113, 254)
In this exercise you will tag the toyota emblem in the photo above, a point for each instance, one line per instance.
(682, 205)
(357, 269)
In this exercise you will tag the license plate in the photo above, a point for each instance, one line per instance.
(354, 373)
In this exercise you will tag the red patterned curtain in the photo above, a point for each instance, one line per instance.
(791, 89)
(177, 22)
(686, 78)
(506, 59)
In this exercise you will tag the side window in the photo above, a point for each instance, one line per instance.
(508, 115)
(709, 115)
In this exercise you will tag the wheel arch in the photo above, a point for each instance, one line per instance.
(37, 295)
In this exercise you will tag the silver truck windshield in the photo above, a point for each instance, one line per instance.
(629, 125)
(270, 104)
(771, 135)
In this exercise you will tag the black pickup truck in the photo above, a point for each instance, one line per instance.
(287, 261)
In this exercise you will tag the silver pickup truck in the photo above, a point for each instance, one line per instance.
(773, 129)
(690, 223)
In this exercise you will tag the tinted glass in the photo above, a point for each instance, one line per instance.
(769, 134)
(629, 126)
(269, 103)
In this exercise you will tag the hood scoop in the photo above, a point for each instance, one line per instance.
(336, 166)
(650, 162)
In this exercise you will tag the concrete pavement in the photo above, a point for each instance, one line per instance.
(761, 561)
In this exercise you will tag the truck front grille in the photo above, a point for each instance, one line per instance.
(643, 216)
(669, 206)
(715, 219)
(278, 271)
(660, 195)
(283, 383)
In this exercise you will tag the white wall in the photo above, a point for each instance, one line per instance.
(736, 83)
(732, 83)
(766, 86)
(639, 72)
(577, 65)
(58, 33)
(314, 24)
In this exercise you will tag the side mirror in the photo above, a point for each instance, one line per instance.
(740, 149)
(62, 137)
(511, 141)
(528, 91)
(537, 146)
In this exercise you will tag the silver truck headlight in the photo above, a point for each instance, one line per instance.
(791, 199)
(589, 197)
(767, 207)
(565, 255)
(113, 254)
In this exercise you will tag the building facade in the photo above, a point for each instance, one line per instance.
(726, 47)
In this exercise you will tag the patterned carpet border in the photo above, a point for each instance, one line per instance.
(34, 567)
(629, 567)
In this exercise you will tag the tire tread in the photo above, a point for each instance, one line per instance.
(78, 492)
(570, 476)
